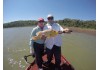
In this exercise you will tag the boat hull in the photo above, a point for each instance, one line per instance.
(65, 65)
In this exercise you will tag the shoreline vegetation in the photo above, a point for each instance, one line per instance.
(83, 30)
(88, 26)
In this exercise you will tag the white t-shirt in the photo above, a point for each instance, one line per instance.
(57, 40)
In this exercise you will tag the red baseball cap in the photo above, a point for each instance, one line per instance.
(40, 20)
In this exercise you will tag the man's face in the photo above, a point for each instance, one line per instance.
(41, 23)
(50, 19)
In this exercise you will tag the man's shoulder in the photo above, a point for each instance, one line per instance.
(56, 24)
(35, 28)
(47, 24)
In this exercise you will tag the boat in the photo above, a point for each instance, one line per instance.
(65, 64)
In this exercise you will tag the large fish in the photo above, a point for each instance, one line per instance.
(49, 33)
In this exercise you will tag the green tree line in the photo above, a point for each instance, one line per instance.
(20, 23)
(65, 22)
(78, 23)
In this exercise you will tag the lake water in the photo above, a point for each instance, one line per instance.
(78, 48)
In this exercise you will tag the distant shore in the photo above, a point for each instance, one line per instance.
(76, 29)
(83, 30)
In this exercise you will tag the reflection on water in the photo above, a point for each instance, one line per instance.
(11, 58)
(16, 50)
(13, 62)
(78, 48)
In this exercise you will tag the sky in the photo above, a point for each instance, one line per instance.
(14, 10)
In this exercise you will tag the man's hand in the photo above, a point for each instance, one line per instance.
(43, 37)
(31, 50)
(60, 32)
(66, 30)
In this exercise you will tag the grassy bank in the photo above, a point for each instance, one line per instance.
(82, 30)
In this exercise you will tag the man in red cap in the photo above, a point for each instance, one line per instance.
(37, 46)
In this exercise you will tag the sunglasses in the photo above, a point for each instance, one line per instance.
(40, 21)
(50, 18)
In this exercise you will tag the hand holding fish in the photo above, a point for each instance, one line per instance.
(66, 30)
(49, 33)
(43, 37)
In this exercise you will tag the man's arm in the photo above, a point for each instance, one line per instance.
(33, 33)
(62, 30)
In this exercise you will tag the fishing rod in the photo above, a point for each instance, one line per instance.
(26, 56)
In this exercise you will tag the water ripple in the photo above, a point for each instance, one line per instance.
(13, 63)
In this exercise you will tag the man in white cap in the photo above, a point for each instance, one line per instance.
(37, 46)
(53, 44)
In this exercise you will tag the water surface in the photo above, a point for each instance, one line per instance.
(78, 48)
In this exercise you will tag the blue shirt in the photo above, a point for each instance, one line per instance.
(33, 33)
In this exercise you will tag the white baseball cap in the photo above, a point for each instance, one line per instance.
(49, 15)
